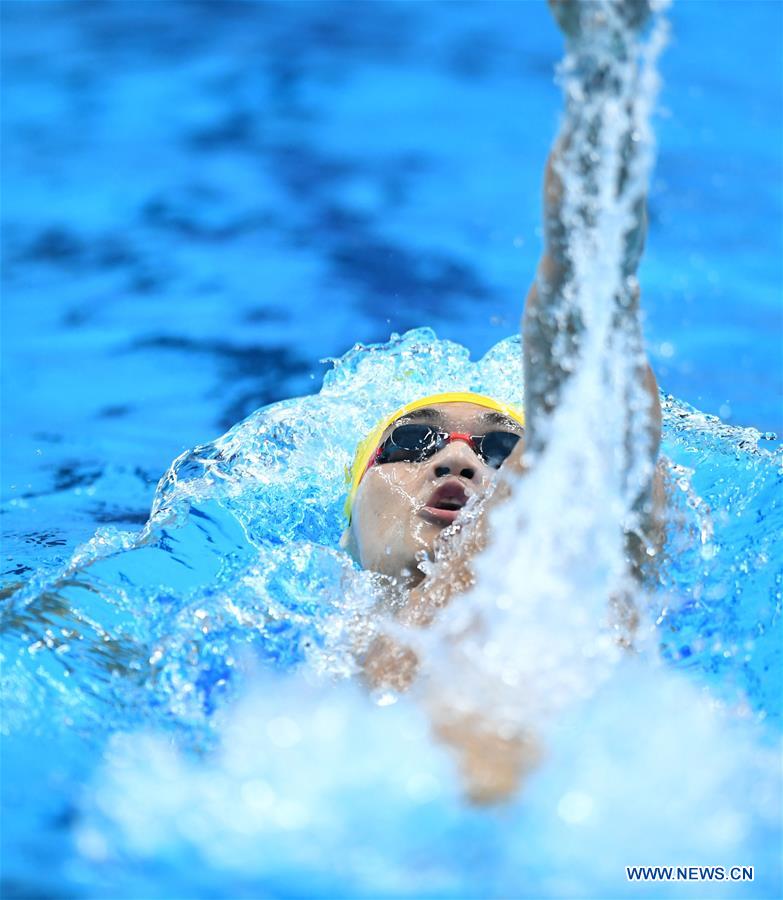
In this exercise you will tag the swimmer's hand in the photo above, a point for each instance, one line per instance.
(580, 19)
(388, 665)
(492, 764)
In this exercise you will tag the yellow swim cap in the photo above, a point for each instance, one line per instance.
(367, 447)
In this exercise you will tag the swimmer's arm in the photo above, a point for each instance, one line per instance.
(492, 762)
(549, 324)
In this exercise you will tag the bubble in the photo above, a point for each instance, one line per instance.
(575, 807)
(284, 732)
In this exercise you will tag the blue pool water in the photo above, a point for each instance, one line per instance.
(150, 695)
(204, 201)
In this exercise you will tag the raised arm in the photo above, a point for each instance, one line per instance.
(551, 323)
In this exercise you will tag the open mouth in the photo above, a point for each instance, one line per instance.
(446, 502)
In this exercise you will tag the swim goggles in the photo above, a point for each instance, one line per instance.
(416, 443)
(368, 447)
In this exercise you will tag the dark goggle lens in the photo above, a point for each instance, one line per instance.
(496, 446)
(409, 443)
(414, 443)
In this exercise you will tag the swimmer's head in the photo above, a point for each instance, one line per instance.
(415, 471)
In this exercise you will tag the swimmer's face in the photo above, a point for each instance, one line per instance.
(400, 508)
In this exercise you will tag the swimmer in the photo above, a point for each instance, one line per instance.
(414, 474)
(416, 478)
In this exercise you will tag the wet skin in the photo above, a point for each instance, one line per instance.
(402, 507)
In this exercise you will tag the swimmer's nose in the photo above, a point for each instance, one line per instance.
(456, 458)
(467, 472)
